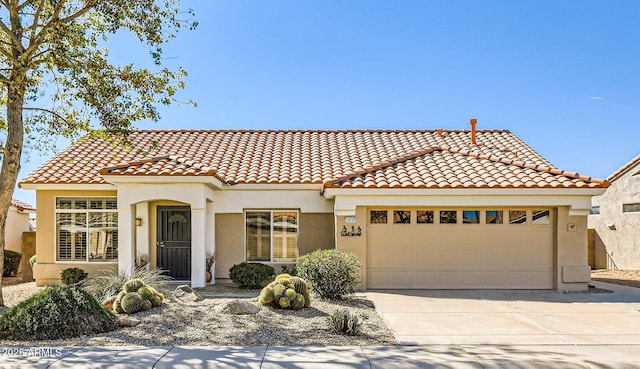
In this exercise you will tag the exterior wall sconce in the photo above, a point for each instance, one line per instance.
(138, 222)
(611, 226)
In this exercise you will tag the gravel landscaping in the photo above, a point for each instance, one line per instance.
(630, 278)
(204, 323)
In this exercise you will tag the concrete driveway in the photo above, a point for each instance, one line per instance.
(465, 317)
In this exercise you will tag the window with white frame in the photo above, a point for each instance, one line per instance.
(271, 235)
(86, 229)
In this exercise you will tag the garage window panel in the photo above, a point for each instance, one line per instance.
(471, 217)
(517, 217)
(541, 217)
(378, 217)
(448, 217)
(401, 217)
(424, 216)
(494, 216)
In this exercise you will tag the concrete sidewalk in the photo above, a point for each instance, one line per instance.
(379, 357)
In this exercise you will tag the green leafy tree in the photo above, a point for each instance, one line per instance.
(57, 79)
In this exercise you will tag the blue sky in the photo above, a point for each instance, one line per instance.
(562, 75)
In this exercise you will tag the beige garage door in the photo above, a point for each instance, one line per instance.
(460, 248)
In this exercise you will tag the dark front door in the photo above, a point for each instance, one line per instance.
(174, 241)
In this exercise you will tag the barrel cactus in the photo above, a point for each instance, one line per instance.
(132, 303)
(135, 297)
(286, 292)
(133, 285)
(146, 292)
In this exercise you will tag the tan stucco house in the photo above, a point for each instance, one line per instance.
(614, 222)
(421, 208)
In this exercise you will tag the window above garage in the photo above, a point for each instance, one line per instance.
(466, 216)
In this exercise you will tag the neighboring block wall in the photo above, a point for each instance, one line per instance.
(618, 246)
(28, 250)
(16, 224)
(47, 270)
(316, 231)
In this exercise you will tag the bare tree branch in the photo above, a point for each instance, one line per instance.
(13, 37)
(46, 111)
(36, 17)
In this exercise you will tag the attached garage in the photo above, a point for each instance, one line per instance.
(460, 248)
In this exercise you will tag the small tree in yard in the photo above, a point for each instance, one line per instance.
(56, 79)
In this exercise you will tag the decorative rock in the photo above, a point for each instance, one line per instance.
(184, 294)
(126, 321)
(240, 307)
(108, 303)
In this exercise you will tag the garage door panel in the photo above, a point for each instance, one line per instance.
(447, 258)
(497, 278)
(378, 257)
(540, 258)
(454, 256)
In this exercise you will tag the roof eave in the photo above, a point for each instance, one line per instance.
(116, 179)
(67, 186)
(331, 192)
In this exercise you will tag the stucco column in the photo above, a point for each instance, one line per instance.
(354, 244)
(198, 251)
(142, 231)
(126, 252)
(573, 272)
(210, 235)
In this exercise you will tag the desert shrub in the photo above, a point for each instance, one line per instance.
(286, 292)
(289, 269)
(72, 275)
(250, 275)
(32, 261)
(136, 296)
(11, 263)
(333, 274)
(110, 283)
(346, 322)
(56, 312)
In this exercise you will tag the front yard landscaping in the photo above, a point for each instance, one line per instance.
(204, 323)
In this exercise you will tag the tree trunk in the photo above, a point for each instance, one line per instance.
(11, 156)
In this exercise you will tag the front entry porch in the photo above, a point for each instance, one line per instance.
(172, 225)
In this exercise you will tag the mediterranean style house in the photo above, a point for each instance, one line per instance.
(451, 209)
(614, 223)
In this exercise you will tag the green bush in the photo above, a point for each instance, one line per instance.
(250, 275)
(333, 274)
(11, 263)
(72, 275)
(286, 292)
(56, 312)
(110, 283)
(290, 270)
(32, 261)
(345, 322)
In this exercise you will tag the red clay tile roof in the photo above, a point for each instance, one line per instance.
(22, 206)
(446, 167)
(622, 169)
(167, 165)
(333, 158)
